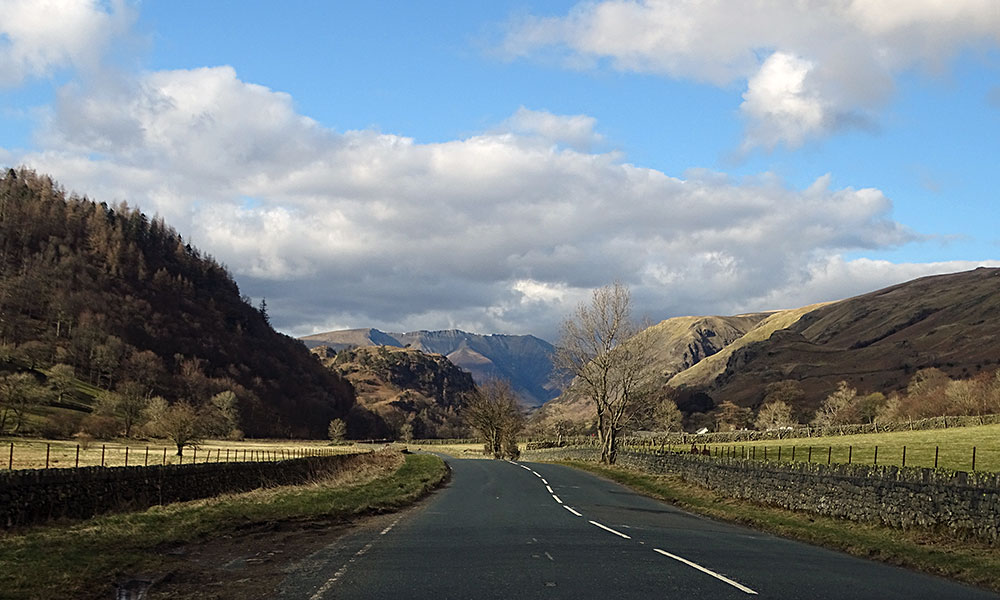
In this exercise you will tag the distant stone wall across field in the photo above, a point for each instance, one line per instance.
(35, 496)
(751, 435)
(966, 505)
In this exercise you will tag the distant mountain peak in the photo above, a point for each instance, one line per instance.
(523, 360)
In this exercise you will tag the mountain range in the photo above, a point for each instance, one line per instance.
(523, 360)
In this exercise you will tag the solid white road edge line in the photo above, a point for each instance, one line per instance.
(572, 511)
(606, 528)
(736, 585)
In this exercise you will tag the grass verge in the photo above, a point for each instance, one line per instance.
(970, 562)
(82, 560)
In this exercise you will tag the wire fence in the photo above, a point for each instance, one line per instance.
(52, 455)
(953, 457)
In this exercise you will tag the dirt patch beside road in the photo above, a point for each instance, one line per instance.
(249, 564)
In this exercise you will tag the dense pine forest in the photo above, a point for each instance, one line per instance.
(116, 299)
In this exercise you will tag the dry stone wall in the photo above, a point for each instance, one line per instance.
(966, 505)
(35, 496)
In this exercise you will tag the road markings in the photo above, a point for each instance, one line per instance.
(687, 562)
(606, 528)
(550, 557)
(340, 573)
(391, 525)
(736, 585)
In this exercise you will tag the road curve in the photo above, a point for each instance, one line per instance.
(530, 530)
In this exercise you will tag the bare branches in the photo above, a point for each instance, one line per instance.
(608, 357)
(492, 410)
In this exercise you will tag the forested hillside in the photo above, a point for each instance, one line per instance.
(409, 393)
(122, 299)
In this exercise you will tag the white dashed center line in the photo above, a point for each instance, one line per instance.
(606, 528)
(736, 585)
(681, 559)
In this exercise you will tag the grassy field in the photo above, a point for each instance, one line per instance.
(82, 560)
(952, 446)
(31, 453)
(456, 450)
(971, 562)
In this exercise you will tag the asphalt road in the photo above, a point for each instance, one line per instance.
(529, 530)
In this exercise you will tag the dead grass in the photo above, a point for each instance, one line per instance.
(30, 453)
(82, 560)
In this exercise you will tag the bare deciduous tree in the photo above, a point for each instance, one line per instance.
(493, 411)
(337, 430)
(838, 408)
(19, 392)
(180, 423)
(608, 356)
(774, 415)
(665, 414)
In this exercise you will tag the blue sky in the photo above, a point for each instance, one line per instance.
(483, 165)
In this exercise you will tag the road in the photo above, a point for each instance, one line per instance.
(533, 530)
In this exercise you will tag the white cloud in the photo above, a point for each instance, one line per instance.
(834, 278)
(824, 65)
(495, 232)
(574, 131)
(38, 37)
(780, 106)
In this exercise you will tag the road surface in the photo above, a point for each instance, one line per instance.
(533, 530)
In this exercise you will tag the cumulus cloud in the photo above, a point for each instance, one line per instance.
(574, 131)
(495, 232)
(810, 67)
(38, 37)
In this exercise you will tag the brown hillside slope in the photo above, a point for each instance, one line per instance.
(682, 342)
(120, 297)
(876, 341)
(679, 344)
(704, 372)
(404, 385)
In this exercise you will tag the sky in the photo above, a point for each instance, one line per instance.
(485, 165)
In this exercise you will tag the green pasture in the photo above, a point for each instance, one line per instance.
(952, 447)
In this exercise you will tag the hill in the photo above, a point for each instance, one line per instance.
(875, 341)
(523, 360)
(679, 344)
(404, 385)
(121, 297)
(705, 371)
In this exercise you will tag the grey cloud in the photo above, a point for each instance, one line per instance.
(496, 232)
